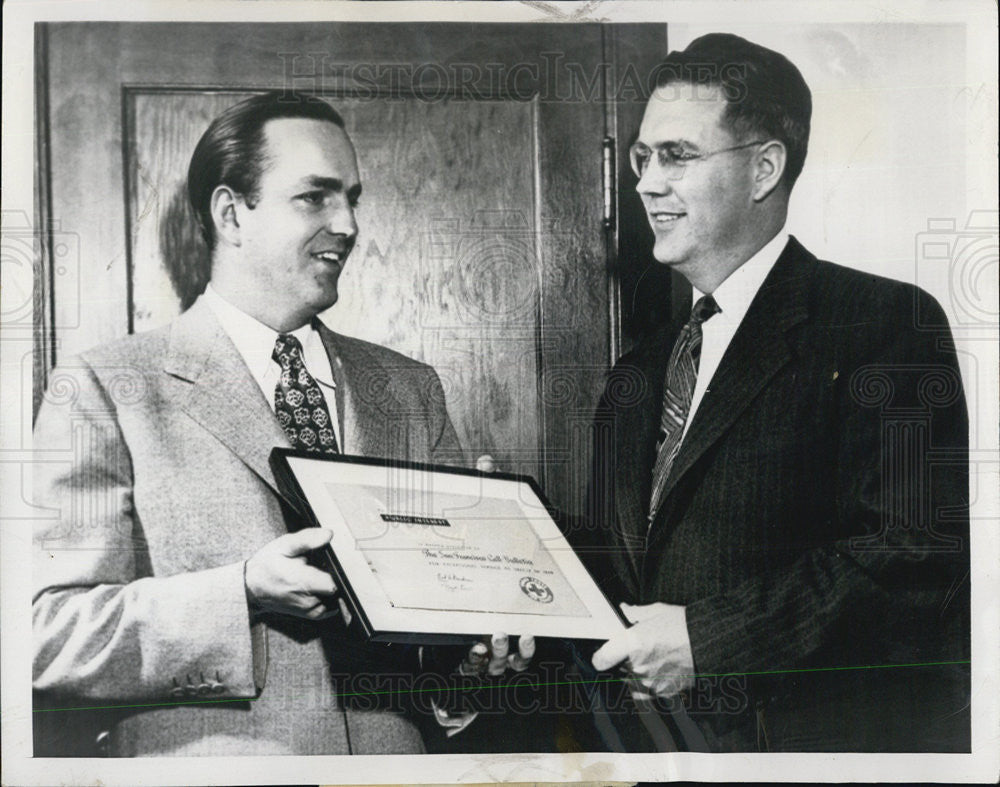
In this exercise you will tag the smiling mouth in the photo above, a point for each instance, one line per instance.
(332, 257)
(664, 218)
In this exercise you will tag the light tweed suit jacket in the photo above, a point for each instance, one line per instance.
(153, 459)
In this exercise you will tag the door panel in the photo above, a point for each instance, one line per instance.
(447, 283)
(161, 131)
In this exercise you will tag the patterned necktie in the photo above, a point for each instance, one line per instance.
(298, 401)
(678, 388)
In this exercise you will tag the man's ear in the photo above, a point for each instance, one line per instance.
(223, 206)
(769, 165)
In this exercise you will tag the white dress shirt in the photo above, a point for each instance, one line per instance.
(255, 343)
(734, 297)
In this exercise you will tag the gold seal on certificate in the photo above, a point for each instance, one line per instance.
(427, 553)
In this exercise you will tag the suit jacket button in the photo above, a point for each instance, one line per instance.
(191, 690)
(217, 688)
(203, 688)
(103, 743)
(177, 691)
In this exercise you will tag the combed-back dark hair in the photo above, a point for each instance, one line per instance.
(765, 92)
(231, 151)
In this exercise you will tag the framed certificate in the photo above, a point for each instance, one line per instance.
(432, 554)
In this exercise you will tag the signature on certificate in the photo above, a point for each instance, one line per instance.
(454, 581)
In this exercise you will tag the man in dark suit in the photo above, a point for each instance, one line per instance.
(168, 588)
(784, 502)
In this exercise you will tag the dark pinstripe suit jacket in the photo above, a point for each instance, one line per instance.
(815, 525)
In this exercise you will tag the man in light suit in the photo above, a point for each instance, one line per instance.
(783, 504)
(168, 589)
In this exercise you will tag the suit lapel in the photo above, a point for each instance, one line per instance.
(363, 393)
(221, 394)
(757, 351)
(639, 427)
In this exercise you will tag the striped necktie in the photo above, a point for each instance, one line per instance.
(678, 388)
(299, 403)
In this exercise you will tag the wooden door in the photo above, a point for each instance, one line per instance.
(482, 250)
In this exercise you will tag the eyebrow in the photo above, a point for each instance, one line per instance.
(680, 143)
(331, 184)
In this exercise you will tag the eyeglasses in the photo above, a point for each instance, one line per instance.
(673, 160)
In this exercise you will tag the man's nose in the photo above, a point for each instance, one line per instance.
(654, 180)
(341, 219)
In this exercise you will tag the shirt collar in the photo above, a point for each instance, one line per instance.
(255, 341)
(737, 292)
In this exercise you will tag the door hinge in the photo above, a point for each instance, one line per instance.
(608, 181)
